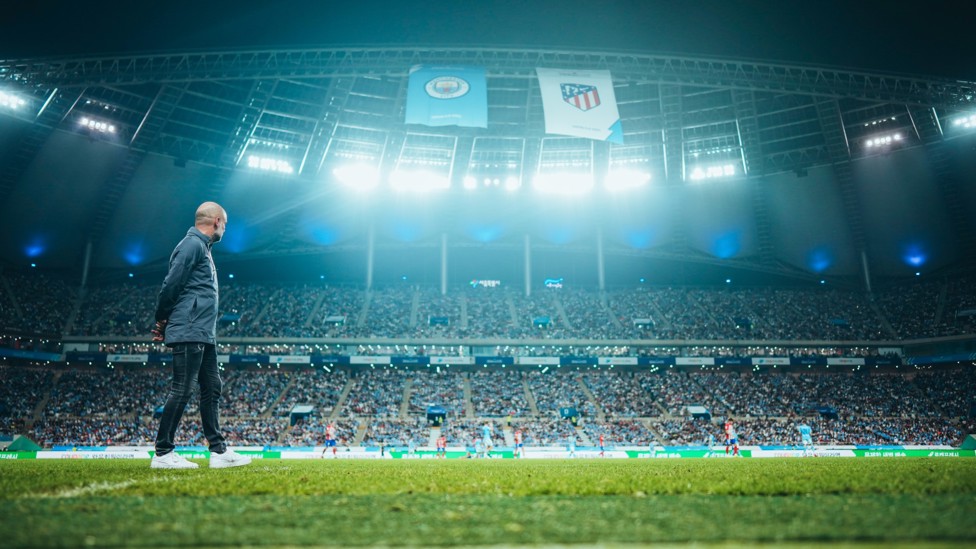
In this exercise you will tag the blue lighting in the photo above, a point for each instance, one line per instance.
(325, 235)
(131, 275)
(33, 265)
(133, 253)
(728, 281)
(642, 280)
(918, 273)
(914, 255)
(727, 245)
(239, 238)
(406, 232)
(640, 238)
(320, 232)
(231, 275)
(559, 234)
(820, 259)
(823, 281)
(484, 233)
(35, 248)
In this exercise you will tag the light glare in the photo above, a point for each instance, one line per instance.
(623, 179)
(269, 164)
(359, 176)
(421, 181)
(566, 183)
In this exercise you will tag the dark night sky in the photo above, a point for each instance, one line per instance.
(926, 38)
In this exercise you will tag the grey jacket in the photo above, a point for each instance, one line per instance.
(188, 298)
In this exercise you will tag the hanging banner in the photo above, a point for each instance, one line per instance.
(580, 104)
(447, 96)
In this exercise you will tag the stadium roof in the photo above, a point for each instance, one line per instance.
(117, 149)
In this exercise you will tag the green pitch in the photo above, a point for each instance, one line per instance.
(881, 502)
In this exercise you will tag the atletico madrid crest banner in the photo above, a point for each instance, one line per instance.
(447, 96)
(580, 104)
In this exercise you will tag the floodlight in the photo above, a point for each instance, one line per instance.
(966, 121)
(470, 182)
(567, 183)
(11, 101)
(269, 164)
(360, 176)
(883, 140)
(421, 181)
(710, 172)
(97, 125)
(623, 179)
(512, 183)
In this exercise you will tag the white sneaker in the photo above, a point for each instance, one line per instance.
(171, 460)
(229, 458)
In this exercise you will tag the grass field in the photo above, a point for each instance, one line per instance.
(883, 502)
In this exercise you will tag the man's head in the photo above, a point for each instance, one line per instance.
(211, 220)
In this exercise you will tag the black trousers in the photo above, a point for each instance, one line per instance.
(192, 363)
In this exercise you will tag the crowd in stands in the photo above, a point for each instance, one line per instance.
(252, 393)
(618, 395)
(388, 312)
(316, 387)
(95, 405)
(465, 431)
(377, 392)
(947, 390)
(311, 432)
(444, 389)
(743, 394)
(438, 316)
(552, 392)
(496, 394)
(36, 302)
(397, 432)
(587, 313)
(619, 433)
(546, 431)
(489, 313)
(22, 389)
(338, 313)
(92, 431)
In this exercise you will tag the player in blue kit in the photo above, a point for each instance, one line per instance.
(806, 438)
(486, 433)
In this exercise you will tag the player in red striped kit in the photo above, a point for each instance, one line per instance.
(601, 445)
(518, 443)
(441, 447)
(731, 439)
(330, 440)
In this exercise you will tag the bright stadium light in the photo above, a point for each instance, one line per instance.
(965, 121)
(11, 101)
(360, 176)
(699, 173)
(625, 179)
(420, 181)
(269, 164)
(883, 140)
(470, 182)
(567, 183)
(97, 125)
(512, 183)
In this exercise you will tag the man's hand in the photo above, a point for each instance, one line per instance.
(159, 331)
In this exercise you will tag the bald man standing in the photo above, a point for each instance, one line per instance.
(186, 321)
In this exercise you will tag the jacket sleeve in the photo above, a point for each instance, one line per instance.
(180, 267)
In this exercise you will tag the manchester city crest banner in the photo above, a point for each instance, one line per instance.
(580, 104)
(447, 96)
